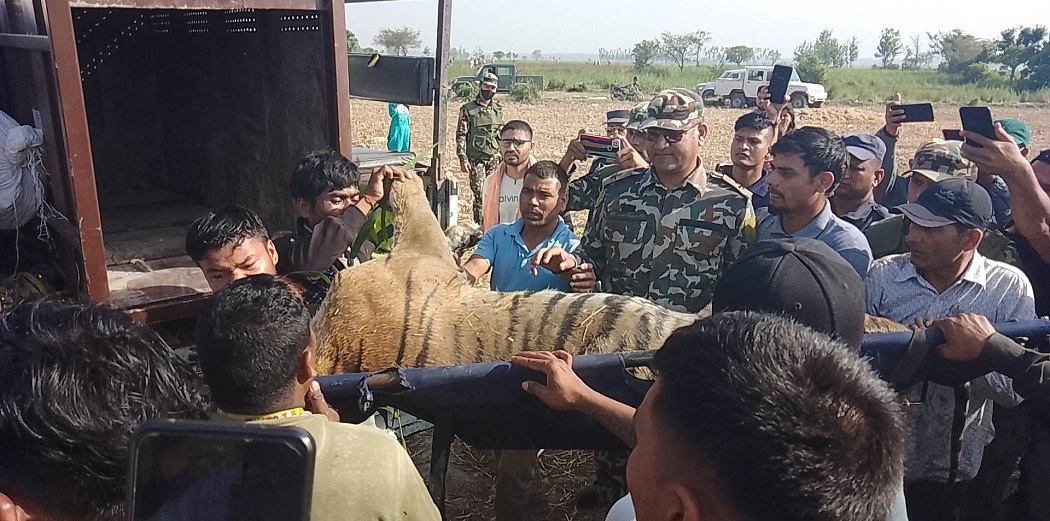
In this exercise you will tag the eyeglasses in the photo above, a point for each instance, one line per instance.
(670, 136)
(516, 143)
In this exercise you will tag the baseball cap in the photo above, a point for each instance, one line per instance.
(489, 79)
(938, 160)
(674, 109)
(638, 115)
(1018, 130)
(617, 117)
(865, 147)
(803, 279)
(951, 201)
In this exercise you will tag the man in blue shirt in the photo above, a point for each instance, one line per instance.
(507, 249)
(807, 165)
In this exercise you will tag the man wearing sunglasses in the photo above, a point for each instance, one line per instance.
(664, 233)
(499, 198)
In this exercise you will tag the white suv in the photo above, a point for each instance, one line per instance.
(740, 86)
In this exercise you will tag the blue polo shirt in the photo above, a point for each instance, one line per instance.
(843, 237)
(511, 260)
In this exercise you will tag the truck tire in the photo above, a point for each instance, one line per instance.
(737, 100)
(707, 94)
(799, 100)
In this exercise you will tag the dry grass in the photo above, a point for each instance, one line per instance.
(556, 119)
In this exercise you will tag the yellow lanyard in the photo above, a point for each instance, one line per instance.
(287, 413)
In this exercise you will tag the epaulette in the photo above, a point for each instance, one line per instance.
(729, 183)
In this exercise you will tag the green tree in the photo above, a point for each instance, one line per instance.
(676, 47)
(1016, 47)
(699, 40)
(959, 50)
(644, 53)
(852, 51)
(739, 54)
(828, 50)
(498, 55)
(352, 43)
(808, 64)
(889, 46)
(1037, 73)
(537, 55)
(398, 41)
(716, 55)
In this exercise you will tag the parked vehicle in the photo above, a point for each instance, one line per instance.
(740, 87)
(507, 74)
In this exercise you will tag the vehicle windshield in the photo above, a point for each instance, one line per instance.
(794, 76)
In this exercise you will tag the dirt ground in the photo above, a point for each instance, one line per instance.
(555, 120)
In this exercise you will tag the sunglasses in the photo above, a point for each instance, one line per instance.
(516, 143)
(670, 136)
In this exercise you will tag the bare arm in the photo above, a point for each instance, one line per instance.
(566, 392)
(475, 267)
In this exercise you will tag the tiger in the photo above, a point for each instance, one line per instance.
(414, 307)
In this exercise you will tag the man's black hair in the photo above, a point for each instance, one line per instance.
(250, 340)
(753, 120)
(821, 150)
(1043, 157)
(517, 124)
(231, 225)
(320, 172)
(550, 170)
(792, 425)
(75, 381)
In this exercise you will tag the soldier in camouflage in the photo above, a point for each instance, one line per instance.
(477, 138)
(584, 191)
(935, 161)
(664, 232)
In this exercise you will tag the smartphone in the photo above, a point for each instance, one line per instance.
(600, 146)
(916, 112)
(952, 134)
(778, 83)
(214, 471)
(977, 120)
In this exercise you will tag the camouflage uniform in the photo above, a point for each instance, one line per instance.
(585, 191)
(669, 246)
(937, 160)
(477, 142)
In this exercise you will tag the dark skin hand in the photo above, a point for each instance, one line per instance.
(9, 511)
(965, 336)
(894, 116)
(582, 279)
(316, 403)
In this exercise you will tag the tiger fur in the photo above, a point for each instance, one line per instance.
(414, 307)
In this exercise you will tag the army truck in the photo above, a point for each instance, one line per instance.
(507, 74)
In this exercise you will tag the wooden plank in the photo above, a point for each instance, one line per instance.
(339, 85)
(151, 244)
(81, 170)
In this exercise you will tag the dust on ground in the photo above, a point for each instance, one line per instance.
(555, 120)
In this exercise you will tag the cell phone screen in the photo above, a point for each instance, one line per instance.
(778, 83)
(916, 113)
(977, 120)
(212, 476)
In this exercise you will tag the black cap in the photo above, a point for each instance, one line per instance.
(617, 117)
(803, 279)
(949, 202)
(865, 147)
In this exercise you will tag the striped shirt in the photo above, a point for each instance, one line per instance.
(896, 291)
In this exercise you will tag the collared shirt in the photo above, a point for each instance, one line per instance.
(669, 246)
(842, 236)
(868, 212)
(895, 290)
(511, 260)
(759, 189)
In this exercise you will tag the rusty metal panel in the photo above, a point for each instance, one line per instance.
(444, 26)
(341, 85)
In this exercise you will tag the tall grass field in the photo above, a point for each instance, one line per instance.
(860, 85)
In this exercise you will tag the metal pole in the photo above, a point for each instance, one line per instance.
(444, 31)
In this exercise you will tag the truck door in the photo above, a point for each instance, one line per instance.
(755, 79)
(506, 78)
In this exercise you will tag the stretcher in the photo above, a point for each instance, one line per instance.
(486, 407)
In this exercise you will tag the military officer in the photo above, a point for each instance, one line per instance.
(477, 138)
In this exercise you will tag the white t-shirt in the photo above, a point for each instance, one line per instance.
(509, 191)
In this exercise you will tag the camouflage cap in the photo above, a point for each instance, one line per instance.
(489, 79)
(674, 109)
(938, 160)
(638, 115)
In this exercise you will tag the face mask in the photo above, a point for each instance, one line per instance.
(487, 94)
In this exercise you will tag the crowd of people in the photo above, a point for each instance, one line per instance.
(764, 410)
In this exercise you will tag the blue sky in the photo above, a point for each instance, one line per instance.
(566, 26)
